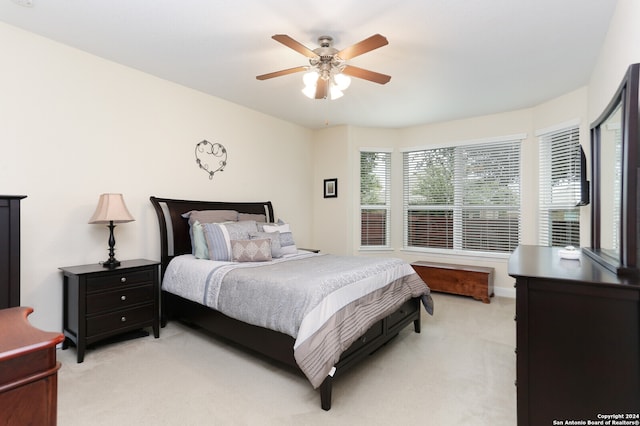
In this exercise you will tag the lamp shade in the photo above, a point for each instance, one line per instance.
(111, 208)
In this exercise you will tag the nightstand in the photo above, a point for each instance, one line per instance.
(101, 302)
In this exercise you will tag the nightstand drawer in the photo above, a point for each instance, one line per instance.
(118, 278)
(120, 319)
(121, 298)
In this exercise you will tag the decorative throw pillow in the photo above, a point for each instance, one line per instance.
(200, 250)
(258, 250)
(287, 244)
(219, 236)
(274, 237)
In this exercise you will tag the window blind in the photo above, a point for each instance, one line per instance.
(463, 197)
(559, 187)
(375, 198)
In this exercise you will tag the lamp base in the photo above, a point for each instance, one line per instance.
(111, 263)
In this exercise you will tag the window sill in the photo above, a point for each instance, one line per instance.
(476, 255)
(376, 249)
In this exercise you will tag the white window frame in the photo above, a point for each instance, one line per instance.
(385, 193)
(461, 209)
(559, 185)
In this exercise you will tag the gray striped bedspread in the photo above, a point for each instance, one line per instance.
(324, 301)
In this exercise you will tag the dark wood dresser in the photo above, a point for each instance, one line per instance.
(28, 370)
(10, 250)
(577, 336)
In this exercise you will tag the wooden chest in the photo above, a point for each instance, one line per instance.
(466, 280)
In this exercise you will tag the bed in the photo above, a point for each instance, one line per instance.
(342, 318)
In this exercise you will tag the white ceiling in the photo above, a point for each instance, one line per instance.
(448, 59)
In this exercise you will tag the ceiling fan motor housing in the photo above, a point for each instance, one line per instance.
(327, 60)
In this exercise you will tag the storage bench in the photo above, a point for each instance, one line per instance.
(466, 280)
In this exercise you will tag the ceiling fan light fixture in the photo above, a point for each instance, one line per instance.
(337, 83)
(309, 91)
(310, 78)
(324, 78)
(342, 81)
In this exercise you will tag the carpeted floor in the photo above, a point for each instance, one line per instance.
(459, 371)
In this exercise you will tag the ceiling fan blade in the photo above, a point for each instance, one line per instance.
(366, 45)
(321, 88)
(297, 46)
(376, 77)
(281, 72)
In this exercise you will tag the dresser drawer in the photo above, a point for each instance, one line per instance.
(120, 298)
(119, 278)
(120, 319)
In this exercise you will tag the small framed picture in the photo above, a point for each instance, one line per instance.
(331, 188)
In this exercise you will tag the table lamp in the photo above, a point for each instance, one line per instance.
(111, 209)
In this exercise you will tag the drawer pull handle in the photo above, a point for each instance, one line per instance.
(123, 298)
(364, 339)
(123, 319)
(123, 279)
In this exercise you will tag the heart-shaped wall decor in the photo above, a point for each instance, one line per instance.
(209, 155)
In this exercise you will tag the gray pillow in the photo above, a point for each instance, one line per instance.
(211, 216)
(274, 237)
(287, 243)
(250, 216)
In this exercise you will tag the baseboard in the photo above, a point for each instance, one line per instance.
(504, 292)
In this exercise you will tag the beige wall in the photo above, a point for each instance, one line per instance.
(620, 49)
(74, 126)
(332, 226)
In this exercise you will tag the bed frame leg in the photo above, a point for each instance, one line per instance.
(325, 393)
(417, 326)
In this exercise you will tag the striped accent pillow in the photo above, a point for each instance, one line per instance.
(219, 236)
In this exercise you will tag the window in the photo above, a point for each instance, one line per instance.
(560, 187)
(463, 197)
(375, 198)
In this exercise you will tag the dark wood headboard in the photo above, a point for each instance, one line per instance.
(174, 229)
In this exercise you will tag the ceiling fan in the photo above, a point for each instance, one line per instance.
(329, 64)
